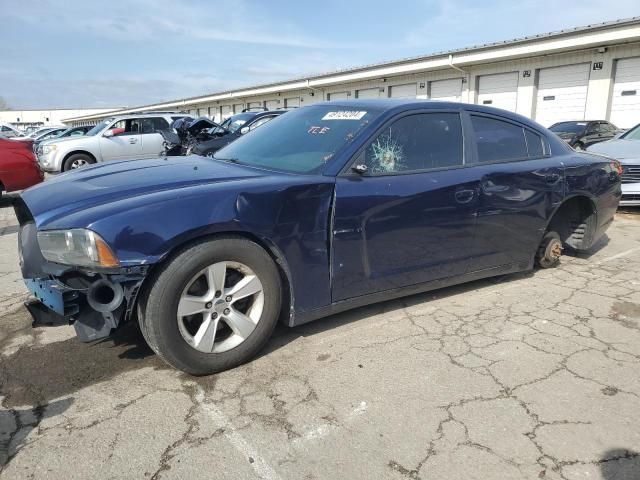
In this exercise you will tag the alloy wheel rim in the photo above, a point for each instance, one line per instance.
(220, 307)
(78, 163)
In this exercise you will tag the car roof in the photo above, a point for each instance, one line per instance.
(396, 105)
(149, 114)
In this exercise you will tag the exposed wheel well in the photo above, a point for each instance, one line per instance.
(272, 250)
(575, 221)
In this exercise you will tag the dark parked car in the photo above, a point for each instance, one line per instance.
(329, 207)
(18, 166)
(232, 129)
(583, 134)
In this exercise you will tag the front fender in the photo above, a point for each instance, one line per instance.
(293, 218)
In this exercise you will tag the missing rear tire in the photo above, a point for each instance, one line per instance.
(550, 250)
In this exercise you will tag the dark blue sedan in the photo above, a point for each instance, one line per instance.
(326, 208)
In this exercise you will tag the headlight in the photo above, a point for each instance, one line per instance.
(48, 149)
(78, 247)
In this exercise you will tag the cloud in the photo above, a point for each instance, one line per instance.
(169, 20)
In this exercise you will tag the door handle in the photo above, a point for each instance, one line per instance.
(133, 140)
(464, 196)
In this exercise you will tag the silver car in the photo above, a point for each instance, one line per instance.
(626, 149)
(116, 138)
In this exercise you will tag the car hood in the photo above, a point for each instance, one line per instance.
(620, 149)
(49, 141)
(111, 182)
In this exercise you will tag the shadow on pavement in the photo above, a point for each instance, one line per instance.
(34, 375)
(16, 424)
(620, 464)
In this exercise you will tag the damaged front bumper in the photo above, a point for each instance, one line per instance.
(94, 302)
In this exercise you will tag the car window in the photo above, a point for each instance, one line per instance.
(535, 147)
(130, 126)
(607, 127)
(76, 133)
(633, 134)
(154, 124)
(417, 142)
(260, 121)
(497, 140)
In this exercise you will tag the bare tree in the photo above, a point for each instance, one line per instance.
(3, 104)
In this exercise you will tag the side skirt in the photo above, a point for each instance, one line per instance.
(301, 318)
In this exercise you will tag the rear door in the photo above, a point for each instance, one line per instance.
(520, 184)
(150, 136)
(410, 218)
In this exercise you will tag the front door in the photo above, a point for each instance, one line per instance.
(126, 142)
(410, 217)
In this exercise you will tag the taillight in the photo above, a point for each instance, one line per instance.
(617, 166)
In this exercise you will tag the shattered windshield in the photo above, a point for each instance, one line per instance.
(300, 141)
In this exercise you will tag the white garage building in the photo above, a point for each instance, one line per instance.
(589, 72)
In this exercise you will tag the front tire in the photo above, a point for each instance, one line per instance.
(213, 306)
(77, 160)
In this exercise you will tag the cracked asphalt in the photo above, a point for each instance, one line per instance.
(531, 376)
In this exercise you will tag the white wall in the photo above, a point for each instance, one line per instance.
(46, 117)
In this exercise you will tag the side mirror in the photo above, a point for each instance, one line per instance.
(244, 130)
(108, 133)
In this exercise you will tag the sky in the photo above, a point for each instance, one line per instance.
(85, 53)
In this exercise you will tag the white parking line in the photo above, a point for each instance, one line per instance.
(259, 464)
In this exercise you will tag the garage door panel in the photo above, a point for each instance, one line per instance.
(338, 96)
(446, 90)
(499, 90)
(226, 111)
(562, 93)
(292, 102)
(271, 104)
(409, 90)
(625, 102)
(368, 93)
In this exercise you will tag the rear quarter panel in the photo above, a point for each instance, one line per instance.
(595, 177)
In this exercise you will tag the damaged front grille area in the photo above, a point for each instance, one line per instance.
(631, 174)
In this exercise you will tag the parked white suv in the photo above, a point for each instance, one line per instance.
(116, 138)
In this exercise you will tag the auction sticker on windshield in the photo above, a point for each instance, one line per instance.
(344, 115)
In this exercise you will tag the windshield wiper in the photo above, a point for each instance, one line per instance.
(230, 160)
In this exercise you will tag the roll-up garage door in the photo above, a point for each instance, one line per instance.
(625, 104)
(338, 96)
(562, 93)
(254, 105)
(272, 104)
(499, 90)
(446, 90)
(226, 111)
(292, 102)
(368, 93)
(238, 107)
(408, 90)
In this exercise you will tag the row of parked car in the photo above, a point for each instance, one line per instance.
(150, 134)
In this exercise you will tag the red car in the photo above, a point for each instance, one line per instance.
(18, 166)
